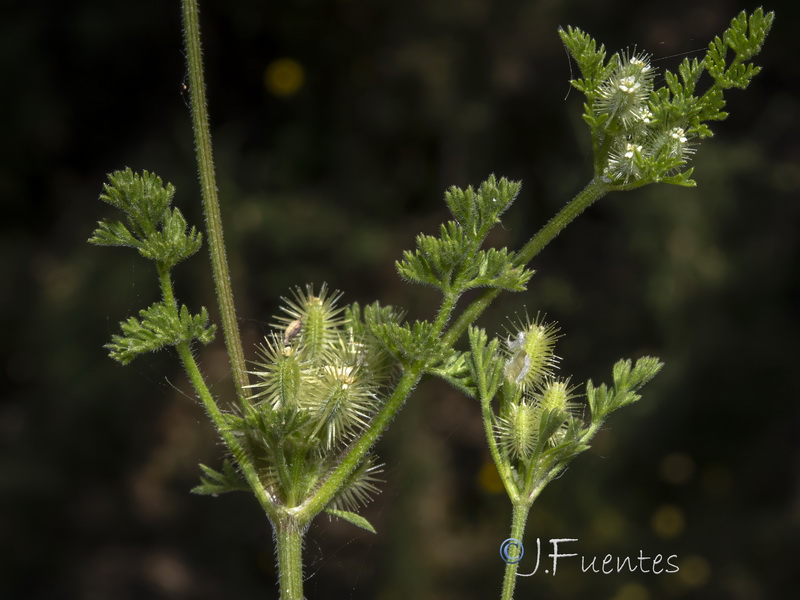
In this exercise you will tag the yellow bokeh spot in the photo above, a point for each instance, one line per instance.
(668, 521)
(284, 77)
(677, 468)
(608, 524)
(489, 479)
(632, 591)
(694, 571)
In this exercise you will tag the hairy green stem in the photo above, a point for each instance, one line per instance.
(503, 468)
(212, 409)
(216, 416)
(208, 186)
(445, 311)
(353, 456)
(585, 198)
(582, 200)
(166, 286)
(289, 539)
(519, 518)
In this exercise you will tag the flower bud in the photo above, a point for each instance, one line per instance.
(280, 373)
(314, 318)
(529, 353)
(517, 432)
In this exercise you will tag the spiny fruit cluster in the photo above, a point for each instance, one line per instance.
(531, 394)
(534, 426)
(318, 381)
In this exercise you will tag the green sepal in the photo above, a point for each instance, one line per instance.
(351, 517)
(214, 482)
(158, 326)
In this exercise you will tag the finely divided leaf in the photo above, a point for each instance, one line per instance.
(590, 59)
(158, 232)
(158, 326)
(627, 381)
(172, 243)
(143, 198)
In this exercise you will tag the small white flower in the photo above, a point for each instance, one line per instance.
(678, 134)
(624, 95)
(623, 162)
(629, 85)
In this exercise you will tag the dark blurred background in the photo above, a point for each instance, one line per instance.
(337, 126)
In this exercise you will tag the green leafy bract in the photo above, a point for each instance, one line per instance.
(158, 232)
(158, 326)
(454, 261)
(214, 482)
(161, 234)
(627, 381)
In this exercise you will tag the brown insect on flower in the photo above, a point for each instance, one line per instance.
(292, 331)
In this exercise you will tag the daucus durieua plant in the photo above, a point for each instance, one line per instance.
(322, 387)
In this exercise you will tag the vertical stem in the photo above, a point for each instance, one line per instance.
(518, 519)
(289, 538)
(208, 186)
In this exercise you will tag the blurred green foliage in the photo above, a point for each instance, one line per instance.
(392, 104)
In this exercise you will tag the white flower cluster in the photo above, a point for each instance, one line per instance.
(624, 94)
(624, 97)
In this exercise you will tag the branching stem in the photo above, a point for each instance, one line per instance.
(212, 409)
(353, 456)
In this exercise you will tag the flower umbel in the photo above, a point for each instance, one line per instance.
(623, 96)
